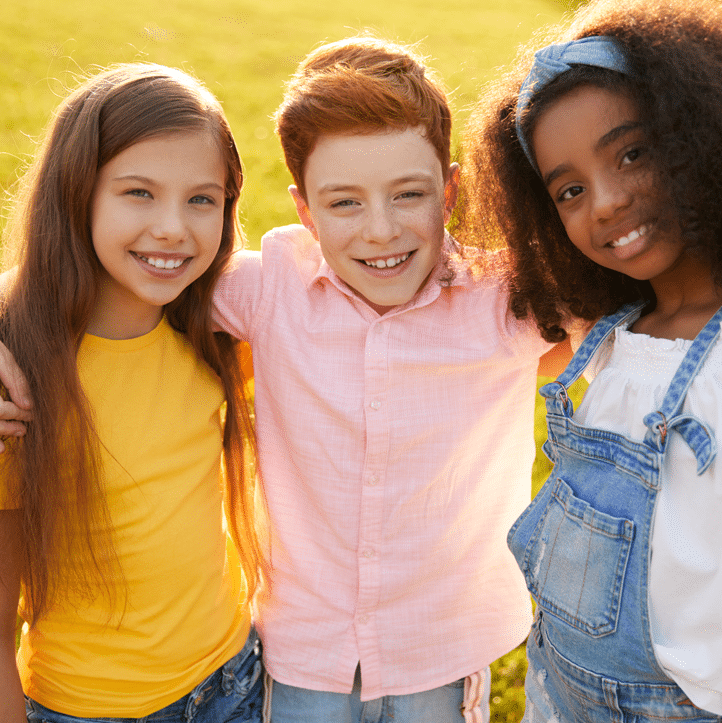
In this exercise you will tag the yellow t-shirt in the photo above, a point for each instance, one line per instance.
(157, 412)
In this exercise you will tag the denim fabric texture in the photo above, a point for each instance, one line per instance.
(439, 705)
(232, 694)
(584, 548)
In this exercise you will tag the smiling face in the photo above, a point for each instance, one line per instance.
(377, 203)
(591, 152)
(156, 224)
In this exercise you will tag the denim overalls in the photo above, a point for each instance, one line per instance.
(584, 548)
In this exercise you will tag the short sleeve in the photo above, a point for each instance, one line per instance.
(237, 296)
(524, 335)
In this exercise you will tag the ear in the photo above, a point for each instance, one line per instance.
(304, 214)
(451, 191)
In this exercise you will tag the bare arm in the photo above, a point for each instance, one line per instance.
(12, 703)
(553, 363)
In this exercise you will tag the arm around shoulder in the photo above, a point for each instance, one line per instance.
(12, 702)
(553, 363)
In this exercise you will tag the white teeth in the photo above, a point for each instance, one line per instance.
(162, 263)
(632, 236)
(387, 263)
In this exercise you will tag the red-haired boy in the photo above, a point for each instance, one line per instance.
(394, 404)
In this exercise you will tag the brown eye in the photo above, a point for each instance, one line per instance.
(568, 193)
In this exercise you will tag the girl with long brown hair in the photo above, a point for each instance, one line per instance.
(115, 549)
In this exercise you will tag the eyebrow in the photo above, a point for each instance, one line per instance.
(345, 187)
(606, 140)
(616, 133)
(150, 182)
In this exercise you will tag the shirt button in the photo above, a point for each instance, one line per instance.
(368, 553)
(373, 479)
(376, 404)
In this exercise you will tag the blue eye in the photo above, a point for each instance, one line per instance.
(202, 200)
(344, 203)
(138, 192)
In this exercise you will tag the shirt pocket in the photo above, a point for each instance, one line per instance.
(575, 562)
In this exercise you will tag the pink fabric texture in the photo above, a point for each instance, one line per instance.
(395, 454)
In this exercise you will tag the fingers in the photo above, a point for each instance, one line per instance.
(14, 381)
(11, 422)
(10, 412)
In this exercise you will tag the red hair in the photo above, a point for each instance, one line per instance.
(360, 85)
(46, 310)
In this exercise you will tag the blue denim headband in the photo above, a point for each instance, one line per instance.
(552, 61)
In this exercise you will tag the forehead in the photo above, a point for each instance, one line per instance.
(371, 157)
(201, 147)
(581, 118)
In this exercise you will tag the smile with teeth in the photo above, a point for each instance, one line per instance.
(387, 263)
(161, 263)
(630, 237)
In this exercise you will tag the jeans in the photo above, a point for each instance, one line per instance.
(440, 705)
(232, 694)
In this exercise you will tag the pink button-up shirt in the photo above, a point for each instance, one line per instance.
(395, 453)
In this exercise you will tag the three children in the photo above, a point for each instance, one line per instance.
(394, 391)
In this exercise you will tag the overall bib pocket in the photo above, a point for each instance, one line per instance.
(586, 596)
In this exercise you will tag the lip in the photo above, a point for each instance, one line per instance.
(634, 240)
(387, 271)
(161, 273)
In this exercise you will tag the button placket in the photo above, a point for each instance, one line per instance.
(377, 430)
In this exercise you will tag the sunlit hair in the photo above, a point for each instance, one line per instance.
(360, 85)
(48, 305)
(675, 50)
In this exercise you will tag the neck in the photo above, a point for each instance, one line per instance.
(687, 296)
(110, 322)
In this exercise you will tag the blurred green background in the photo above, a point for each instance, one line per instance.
(244, 51)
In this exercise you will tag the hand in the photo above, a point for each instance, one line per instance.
(15, 411)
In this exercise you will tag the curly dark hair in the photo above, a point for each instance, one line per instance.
(675, 51)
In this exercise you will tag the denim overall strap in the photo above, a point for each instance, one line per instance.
(695, 433)
(556, 392)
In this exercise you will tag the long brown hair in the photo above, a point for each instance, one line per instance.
(675, 50)
(47, 307)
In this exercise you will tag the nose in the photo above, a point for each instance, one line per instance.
(169, 223)
(610, 196)
(380, 224)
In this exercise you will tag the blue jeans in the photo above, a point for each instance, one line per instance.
(232, 694)
(440, 705)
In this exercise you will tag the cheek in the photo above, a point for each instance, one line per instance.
(576, 230)
(213, 232)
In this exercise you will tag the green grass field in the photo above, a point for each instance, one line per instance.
(244, 50)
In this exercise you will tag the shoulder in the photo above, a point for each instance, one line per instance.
(480, 293)
(292, 248)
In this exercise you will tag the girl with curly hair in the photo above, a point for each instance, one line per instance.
(598, 162)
